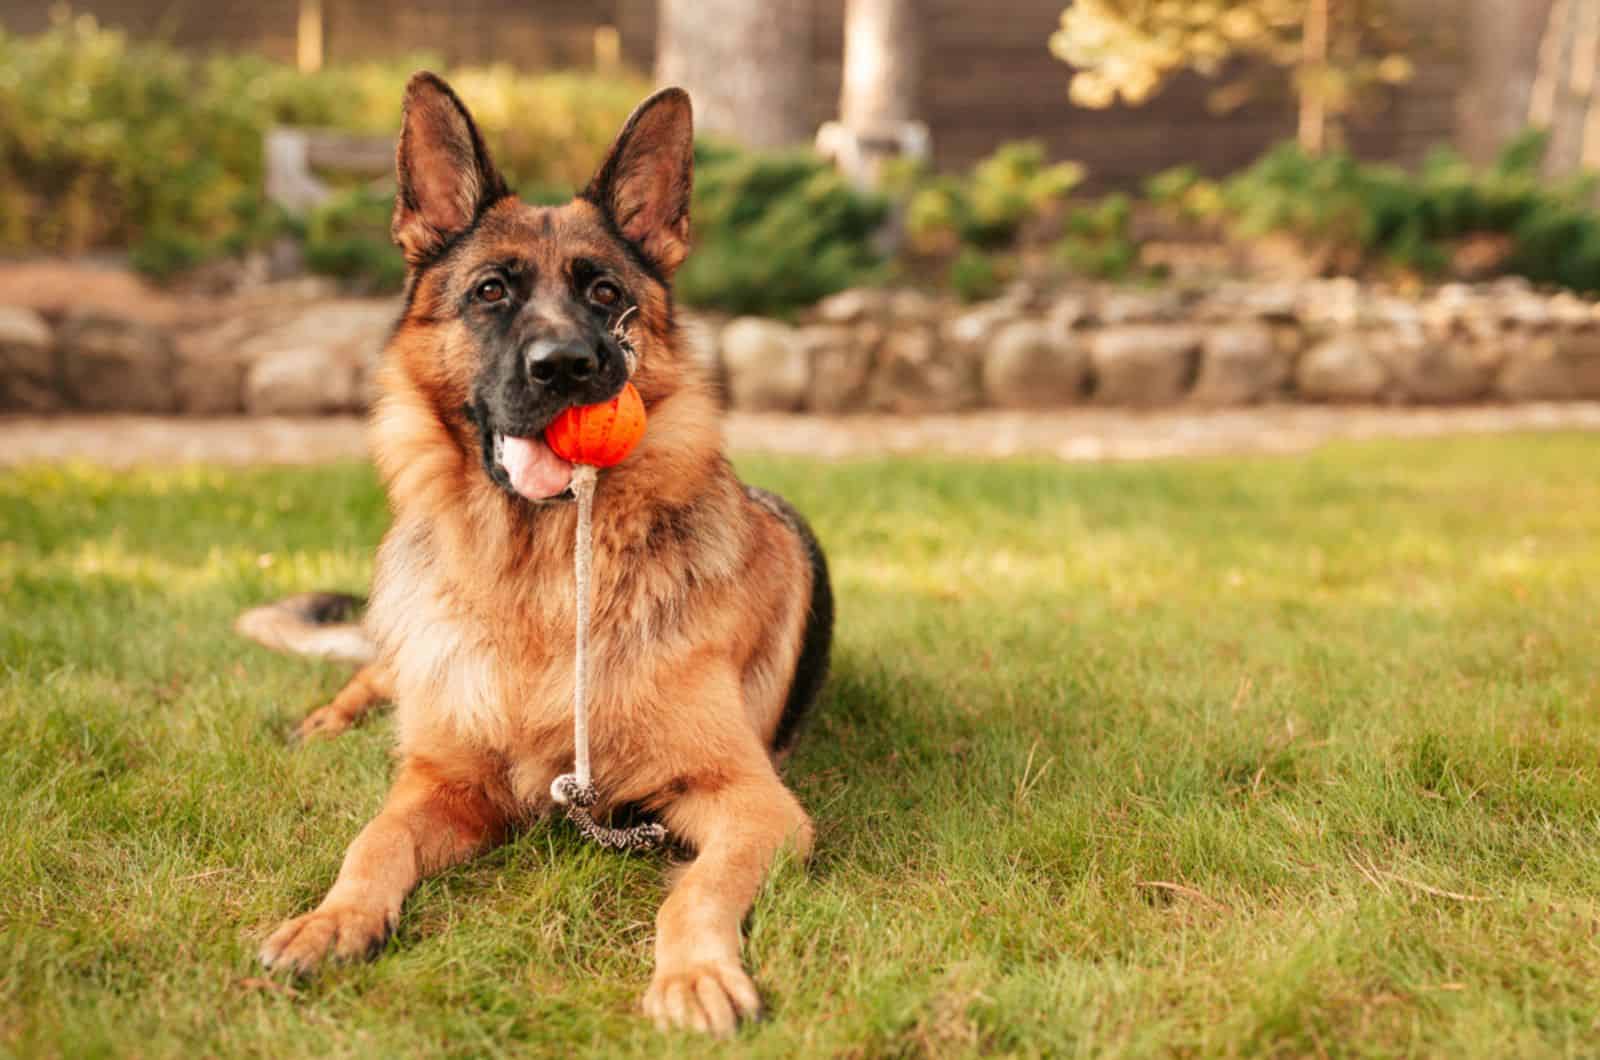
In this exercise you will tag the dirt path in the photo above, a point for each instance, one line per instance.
(1072, 435)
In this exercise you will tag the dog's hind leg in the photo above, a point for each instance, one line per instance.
(371, 687)
(428, 823)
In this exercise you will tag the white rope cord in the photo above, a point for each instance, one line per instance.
(576, 790)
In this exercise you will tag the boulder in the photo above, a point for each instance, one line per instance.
(1343, 367)
(300, 381)
(1141, 307)
(701, 335)
(1581, 351)
(973, 329)
(339, 341)
(114, 364)
(28, 376)
(1034, 365)
(916, 373)
(1551, 367)
(1534, 371)
(1240, 364)
(1149, 364)
(767, 365)
(853, 305)
(841, 364)
(210, 377)
(1431, 371)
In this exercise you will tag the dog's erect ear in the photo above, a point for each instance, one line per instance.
(645, 182)
(444, 173)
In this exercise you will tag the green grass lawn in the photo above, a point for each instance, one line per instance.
(1249, 756)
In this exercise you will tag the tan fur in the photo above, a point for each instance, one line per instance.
(700, 600)
(372, 686)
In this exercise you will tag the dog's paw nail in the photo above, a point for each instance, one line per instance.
(304, 942)
(711, 998)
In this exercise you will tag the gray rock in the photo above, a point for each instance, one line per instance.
(1231, 302)
(973, 329)
(1535, 371)
(767, 365)
(1034, 365)
(112, 364)
(210, 377)
(1335, 303)
(849, 307)
(1581, 351)
(341, 339)
(1070, 311)
(916, 373)
(1147, 364)
(702, 335)
(1240, 364)
(1551, 367)
(841, 364)
(28, 374)
(1141, 307)
(910, 306)
(1429, 371)
(1342, 368)
(301, 381)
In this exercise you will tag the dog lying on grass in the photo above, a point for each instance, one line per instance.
(712, 607)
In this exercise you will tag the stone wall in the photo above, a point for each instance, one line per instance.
(294, 349)
(1319, 341)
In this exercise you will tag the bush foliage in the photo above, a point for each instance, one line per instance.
(109, 141)
(1363, 214)
(775, 232)
(105, 141)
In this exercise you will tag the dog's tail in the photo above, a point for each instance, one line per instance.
(325, 624)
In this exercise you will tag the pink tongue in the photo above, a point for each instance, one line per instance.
(535, 471)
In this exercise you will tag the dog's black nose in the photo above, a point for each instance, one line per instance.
(554, 362)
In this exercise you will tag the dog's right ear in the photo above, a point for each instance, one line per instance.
(443, 170)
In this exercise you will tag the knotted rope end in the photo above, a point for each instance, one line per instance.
(577, 797)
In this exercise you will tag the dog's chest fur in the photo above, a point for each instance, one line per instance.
(487, 664)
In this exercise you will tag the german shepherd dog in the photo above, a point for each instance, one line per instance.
(712, 609)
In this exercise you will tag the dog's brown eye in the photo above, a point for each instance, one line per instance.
(604, 293)
(491, 291)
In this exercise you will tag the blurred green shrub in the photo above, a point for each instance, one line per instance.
(775, 232)
(1361, 214)
(1099, 240)
(348, 237)
(986, 208)
(108, 141)
(975, 274)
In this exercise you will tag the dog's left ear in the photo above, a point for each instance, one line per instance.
(645, 183)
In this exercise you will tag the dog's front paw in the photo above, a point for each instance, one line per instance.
(711, 997)
(348, 932)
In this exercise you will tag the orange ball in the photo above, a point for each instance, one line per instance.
(599, 435)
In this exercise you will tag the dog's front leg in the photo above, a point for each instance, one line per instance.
(738, 825)
(427, 824)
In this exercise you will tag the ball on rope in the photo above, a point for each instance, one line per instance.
(599, 435)
(591, 437)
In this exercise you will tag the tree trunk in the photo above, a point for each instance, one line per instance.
(1313, 120)
(1502, 62)
(1564, 95)
(882, 63)
(747, 65)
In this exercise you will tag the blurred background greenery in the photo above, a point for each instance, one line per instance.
(143, 146)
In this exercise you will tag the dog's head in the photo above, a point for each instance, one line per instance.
(523, 311)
